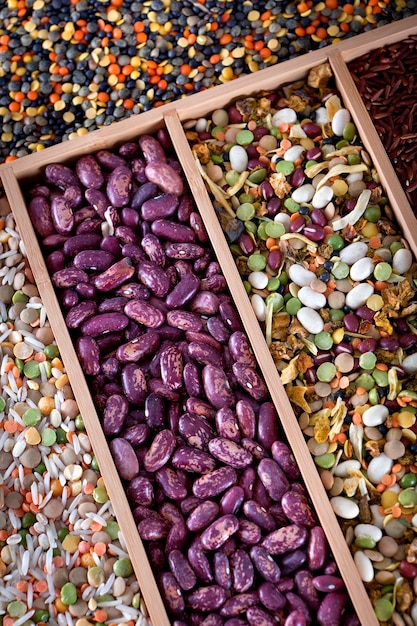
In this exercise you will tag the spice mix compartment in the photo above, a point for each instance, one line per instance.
(27, 170)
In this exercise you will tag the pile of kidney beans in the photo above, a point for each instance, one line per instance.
(214, 488)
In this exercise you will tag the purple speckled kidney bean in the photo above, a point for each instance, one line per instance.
(192, 379)
(114, 276)
(282, 454)
(79, 313)
(159, 451)
(171, 483)
(219, 531)
(227, 425)
(172, 593)
(316, 548)
(285, 539)
(193, 460)
(204, 354)
(206, 599)
(60, 175)
(331, 608)
(213, 483)
(177, 537)
(200, 407)
(257, 616)
(249, 533)
(245, 415)
(242, 571)
(115, 413)
(267, 432)
(217, 387)
(153, 277)
(185, 320)
(297, 509)
(159, 207)
(172, 231)
(232, 500)
(239, 603)
(97, 260)
(295, 618)
(183, 291)
(229, 452)
(102, 323)
(139, 348)
(76, 244)
(295, 603)
(327, 583)
(69, 277)
(250, 380)
(140, 490)
(240, 349)
(205, 303)
(306, 589)
(119, 185)
(165, 177)
(199, 561)
(265, 564)
(182, 570)
(39, 210)
(62, 215)
(89, 172)
(258, 514)
(195, 430)
(124, 457)
(273, 478)
(202, 516)
(152, 149)
(271, 597)
(134, 383)
(222, 571)
(88, 353)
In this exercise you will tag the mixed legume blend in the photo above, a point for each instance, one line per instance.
(333, 284)
(213, 486)
(62, 557)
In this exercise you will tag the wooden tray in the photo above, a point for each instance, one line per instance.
(27, 170)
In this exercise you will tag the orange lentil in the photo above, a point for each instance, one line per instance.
(96, 527)
(10, 426)
(344, 27)
(225, 39)
(141, 37)
(102, 96)
(265, 53)
(380, 489)
(302, 7)
(396, 468)
(117, 33)
(270, 242)
(357, 418)
(300, 31)
(40, 586)
(100, 548)
(383, 367)
(396, 511)
(100, 615)
(321, 33)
